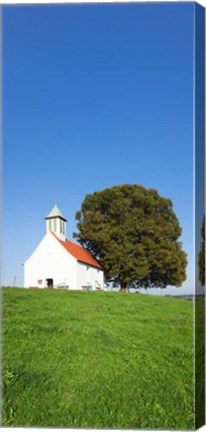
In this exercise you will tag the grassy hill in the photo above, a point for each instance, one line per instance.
(200, 363)
(97, 359)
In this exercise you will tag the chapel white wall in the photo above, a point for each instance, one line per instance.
(50, 260)
(88, 275)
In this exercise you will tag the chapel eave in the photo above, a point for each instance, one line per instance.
(56, 217)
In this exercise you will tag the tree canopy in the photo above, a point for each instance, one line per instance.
(133, 232)
(202, 255)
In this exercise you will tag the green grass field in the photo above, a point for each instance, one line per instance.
(200, 363)
(96, 359)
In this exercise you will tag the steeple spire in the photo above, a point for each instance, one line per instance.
(56, 222)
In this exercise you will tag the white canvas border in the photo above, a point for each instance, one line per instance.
(14, 2)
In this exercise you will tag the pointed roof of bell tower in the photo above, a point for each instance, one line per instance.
(55, 212)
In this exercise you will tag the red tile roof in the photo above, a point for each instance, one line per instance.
(79, 253)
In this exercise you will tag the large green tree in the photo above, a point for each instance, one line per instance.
(134, 233)
(202, 255)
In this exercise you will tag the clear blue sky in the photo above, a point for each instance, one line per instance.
(93, 96)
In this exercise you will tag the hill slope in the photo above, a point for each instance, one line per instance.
(100, 360)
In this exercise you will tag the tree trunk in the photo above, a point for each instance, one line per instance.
(123, 287)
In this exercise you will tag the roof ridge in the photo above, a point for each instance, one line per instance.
(78, 245)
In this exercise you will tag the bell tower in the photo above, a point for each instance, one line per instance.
(56, 223)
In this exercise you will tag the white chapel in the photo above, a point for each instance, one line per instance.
(60, 263)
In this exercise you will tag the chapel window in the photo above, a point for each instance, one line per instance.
(55, 225)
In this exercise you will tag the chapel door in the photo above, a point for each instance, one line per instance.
(49, 283)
